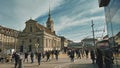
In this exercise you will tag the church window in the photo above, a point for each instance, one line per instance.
(30, 29)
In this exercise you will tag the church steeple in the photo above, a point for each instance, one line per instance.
(49, 13)
(50, 23)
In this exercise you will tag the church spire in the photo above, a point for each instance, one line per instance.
(49, 12)
(50, 23)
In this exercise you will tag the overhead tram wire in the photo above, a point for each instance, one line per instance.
(101, 30)
(104, 29)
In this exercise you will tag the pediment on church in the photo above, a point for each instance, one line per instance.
(33, 26)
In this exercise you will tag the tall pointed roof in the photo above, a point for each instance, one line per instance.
(49, 17)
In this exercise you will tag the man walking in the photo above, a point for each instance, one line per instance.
(56, 54)
(39, 57)
(92, 54)
(32, 57)
(17, 58)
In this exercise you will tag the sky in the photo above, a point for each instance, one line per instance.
(72, 18)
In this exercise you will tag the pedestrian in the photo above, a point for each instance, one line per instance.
(26, 56)
(99, 58)
(76, 52)
(17, 58)
(20, 60)
(56, 54)
(13, 57)
(39, 57)
(32, 57)
(79, 56)
(86, 51)
(72, 55)
(52, 53)
(92, 55)
(108, 58)
(48, 55)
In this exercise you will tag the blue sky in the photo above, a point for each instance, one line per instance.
(72, 18)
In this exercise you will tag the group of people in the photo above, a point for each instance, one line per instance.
(102, 57)
(72, 52)
(19, 57)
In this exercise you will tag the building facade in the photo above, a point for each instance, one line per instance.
(89, 42)
(38, 37)
(64, 42)
(8, 39)
(112, 15)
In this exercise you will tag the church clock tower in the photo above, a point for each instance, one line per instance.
(50, 23)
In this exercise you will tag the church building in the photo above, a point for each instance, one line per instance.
(36, 37)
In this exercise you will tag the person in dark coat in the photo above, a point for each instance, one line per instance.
(86, 51)
(99, 59)
(108, 58)
(39, 57)
(48, 55)
(26, 56)
(92, 54)
(72, 55)
(32, 57)
(79, 56)
(56, 54)
(17, 58)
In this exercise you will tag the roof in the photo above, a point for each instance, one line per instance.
(118, 34)
(40, 27)
(88, 39)
(8, 31)
(103, 41)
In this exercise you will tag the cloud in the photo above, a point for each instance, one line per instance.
(72, 18)
(66, 22)
(18, 11)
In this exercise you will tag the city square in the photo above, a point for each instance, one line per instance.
(60, 34)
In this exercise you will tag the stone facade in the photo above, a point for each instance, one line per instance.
(38, 37)
(8, 38)
(88, 43)
(65, 42)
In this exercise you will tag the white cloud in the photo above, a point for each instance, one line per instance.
(66, 22)
(22, 10)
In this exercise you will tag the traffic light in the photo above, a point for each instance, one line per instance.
(21, 48)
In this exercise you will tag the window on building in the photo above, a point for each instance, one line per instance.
(30, 40)
(38, 40)
(30, 28)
